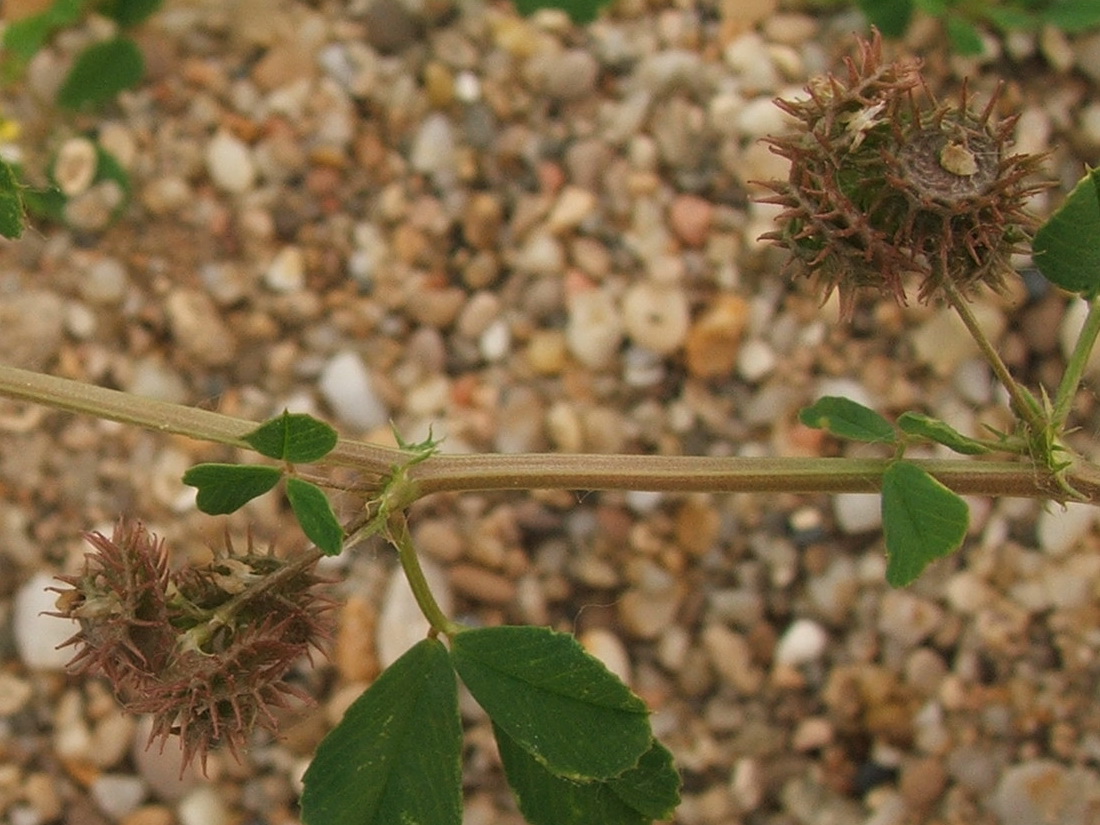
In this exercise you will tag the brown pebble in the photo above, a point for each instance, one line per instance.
(149, 815)
(690, 218)
(482, 221)
(439, 539)
(355, 655)
(715, 338)
(922, 782)
(481, 584)
(697, 525)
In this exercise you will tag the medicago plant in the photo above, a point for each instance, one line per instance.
(888, 188)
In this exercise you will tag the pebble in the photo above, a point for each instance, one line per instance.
(14, 693)
(570, 74)
(433, 149)
(942, 342)
(646, 613)
(105, 282)
(714, 340)
(594, 328)
(479, 584)
(1060, 528)
(198, 328)
(390, 25)
(573, 205)
(756, 360)
(204, 806)
(803, 642)
(150, 815)
(731, 657)
(656, 317)
(908, 619)
(609, 649)
(230, 164)
(118, 795)
(496, 341)
(152, 378)
(857, 513)
(1042, 790)
(37, 635)
(347, 387)
(76, 165)
(33, 322)
(355, 651)
(287, 271)
(690, 218)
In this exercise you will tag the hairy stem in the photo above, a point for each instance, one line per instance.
(455, 473)
(1022, 402)
(161, 416)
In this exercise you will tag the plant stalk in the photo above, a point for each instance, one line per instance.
(397, 531)
(458, 473)
(1075, 367)
(1022, 402)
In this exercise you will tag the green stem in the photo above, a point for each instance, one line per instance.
(397, 531)
(1022, 401)
(1075, 367)
(161, 416)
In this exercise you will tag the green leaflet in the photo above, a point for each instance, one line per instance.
(394, 759)
(559, 703)
(922, 520)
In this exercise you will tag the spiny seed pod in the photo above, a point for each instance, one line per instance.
(204, 650)
(885, 182)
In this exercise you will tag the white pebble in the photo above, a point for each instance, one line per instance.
(656, 317)
(204, 806)
(37, 635)
(594, 329)
(1042, 790)
(496, 341)
(287, 270)
(857, 512)
(347, 387)
(802, 642)
(75, 167)
(756, 360)
(229, 162)
(117, 795)
(908, 619)
(1058, 529)
(609, 649)
(760, 117)
(105, 282)
(574, 204)
(433, 147)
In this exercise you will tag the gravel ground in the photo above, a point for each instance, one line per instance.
(536, 237)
